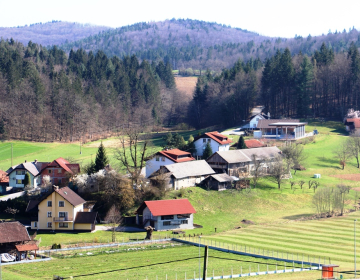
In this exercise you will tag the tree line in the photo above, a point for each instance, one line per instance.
(325, 84)
(47, 95)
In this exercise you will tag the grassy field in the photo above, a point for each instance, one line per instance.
(145, 262)
(186, 84)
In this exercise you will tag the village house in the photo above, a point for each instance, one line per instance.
(254, 120)
(251, 143)
(61, 209)
(166, 157)
(217, 141)
(352, 126)
(12, 234)
(240, 162)
(281, 129)
(59, 171)
(4, 181)
(17, 173)
(166, 214)
(182, 175)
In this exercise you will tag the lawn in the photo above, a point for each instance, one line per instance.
(160, 262)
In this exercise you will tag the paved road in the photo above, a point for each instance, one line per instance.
(11, 196)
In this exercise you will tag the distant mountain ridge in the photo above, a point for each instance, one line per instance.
(50, 33)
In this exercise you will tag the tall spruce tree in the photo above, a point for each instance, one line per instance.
(303, 88)
(101, 159)
(27, 180)
(241, 143)
(208, 151)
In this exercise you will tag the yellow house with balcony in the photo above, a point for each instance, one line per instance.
(61, 210)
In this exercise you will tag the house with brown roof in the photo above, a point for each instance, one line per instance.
(281, 129)
(4, 181)
(17, 173)
(166, 214)
(217, 141)
(352, 125)
(59, 171)
(62, 209)
(164, 158)
(12, 234)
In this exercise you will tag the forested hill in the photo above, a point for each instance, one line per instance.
(50, 33)
(201, 45)
(46, 95)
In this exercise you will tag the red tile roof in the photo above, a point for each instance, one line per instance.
(4, 178)
(218, 137)
(177, 155)
(167, 207)
(356, 122)
(63, 163)
(13, 232)
(26, 247)
(253, 143)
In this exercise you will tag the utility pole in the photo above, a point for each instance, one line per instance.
(205, 262)
(355, 246)
(12, 155)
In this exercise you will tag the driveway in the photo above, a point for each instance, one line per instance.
(11, 196)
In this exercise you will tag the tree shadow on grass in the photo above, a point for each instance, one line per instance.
(295, 217)
(334, 163)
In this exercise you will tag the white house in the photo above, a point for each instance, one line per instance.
(17, 174)
(166, 157)
(184, 174)
(255, 119)
(218, 142)
(166, 214)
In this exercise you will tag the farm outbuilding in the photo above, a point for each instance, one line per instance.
(218, 182)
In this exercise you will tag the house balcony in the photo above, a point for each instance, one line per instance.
(63, 219)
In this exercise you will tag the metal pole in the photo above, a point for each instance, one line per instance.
(205, 262)
(12, 154)
(355, 246)
(199, 257)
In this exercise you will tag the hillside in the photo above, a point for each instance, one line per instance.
(50, 33)
(201, 45)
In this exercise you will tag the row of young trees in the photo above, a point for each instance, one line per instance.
(47, 95)
(323, 85)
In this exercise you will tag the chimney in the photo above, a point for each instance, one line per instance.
(35, 161)
(55, 188)
(269, 115)
(25, 160)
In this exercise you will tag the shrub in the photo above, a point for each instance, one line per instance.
(56, 246)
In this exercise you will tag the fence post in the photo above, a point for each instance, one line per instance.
(249, 270)
(258, 268)
(241, 270)
(285, 266)
(276, 268)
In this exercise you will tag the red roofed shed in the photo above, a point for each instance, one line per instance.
(166, 214)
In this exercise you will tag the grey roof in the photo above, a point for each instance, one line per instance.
(265, 123)
(29, 166)
(190, 168)
(244, 155)
(222, 178)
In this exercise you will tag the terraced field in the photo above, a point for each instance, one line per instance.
(330, 238)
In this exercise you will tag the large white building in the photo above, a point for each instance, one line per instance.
(217, 141)
(166, 214)
(164, 158)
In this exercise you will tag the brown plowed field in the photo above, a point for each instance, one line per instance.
(352, 177)
(186, 84)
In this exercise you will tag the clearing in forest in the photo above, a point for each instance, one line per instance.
(186, 84)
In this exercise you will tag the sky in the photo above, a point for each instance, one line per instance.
(275, 18)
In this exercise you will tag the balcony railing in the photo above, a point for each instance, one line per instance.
(63, 219)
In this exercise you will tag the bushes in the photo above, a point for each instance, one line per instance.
(56, 246)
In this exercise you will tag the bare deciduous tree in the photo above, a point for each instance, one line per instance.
(114, 217)
(353, 146)
(293, 156)
(133, 151)
(258, 169)
(277, 170)
(343, 154)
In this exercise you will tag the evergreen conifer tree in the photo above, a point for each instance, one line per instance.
(241, 143)
(191, 146)
(27, 179)
(208, 151)
(101, 159)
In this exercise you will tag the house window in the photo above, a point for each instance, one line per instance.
(18, 181)
(49, 214)
(59, 181)
(184, 222)
(60, 171)
(63, 225)
(183, 216)
(167, 217)
(61, 203)
(166, 223)
(18, 172)
(209, 140)
(49, 225)
(49, 170)
(162, 158)
(204, 140)
(157, 158)
(62, 214)
(49, 203)
(35, 224)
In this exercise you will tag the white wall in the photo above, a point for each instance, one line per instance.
(172, 226)
(152, 165)
(187, 182)
(215, 146)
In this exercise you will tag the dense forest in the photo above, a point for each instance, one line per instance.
(203, 45)
(47, 95)
(50, 33)
(325, 85)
